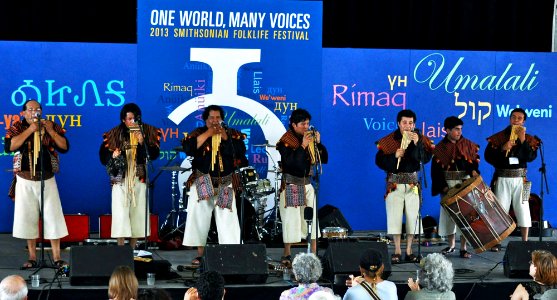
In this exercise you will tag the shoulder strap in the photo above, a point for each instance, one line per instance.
(370, 290)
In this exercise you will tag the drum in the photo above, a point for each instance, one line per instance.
(249, 176)
(475, 210)
(263, 188)
(334, 232)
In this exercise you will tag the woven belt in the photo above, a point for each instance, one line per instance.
(403, 178)
(455, 175)
(296, 180)
(27, 175)
(216, 181)
(511, 172)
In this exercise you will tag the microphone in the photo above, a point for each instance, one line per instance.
(416, 130)
(223, 125)
(138, 120)
(308, 214)
(37, 115)
(312, 128)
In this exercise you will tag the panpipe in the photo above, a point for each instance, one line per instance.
(215, 149)
(514, 135)
(36, 151)
(403, 144)
(131, 154)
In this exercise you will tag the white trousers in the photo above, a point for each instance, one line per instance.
(198, 221)
(27, 207)
(128, 221)
(446, 224)
(403, 199)
(294, 226)
(508, 190)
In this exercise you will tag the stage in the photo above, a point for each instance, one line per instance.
(480, 277)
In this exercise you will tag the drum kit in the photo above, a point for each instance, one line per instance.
(175, 222)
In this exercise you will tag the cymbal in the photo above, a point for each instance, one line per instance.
(179, 149)
(174, 168)
(265, 145)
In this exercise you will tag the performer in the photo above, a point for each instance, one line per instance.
(300, 149)
(123, 153)
(217, 151)
(455, 159)
(399, 155)
(32, 146)
(509, 151)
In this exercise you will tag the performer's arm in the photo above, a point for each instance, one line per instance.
(61, 142)
(17, 141)
(438, 182)
(386, 162)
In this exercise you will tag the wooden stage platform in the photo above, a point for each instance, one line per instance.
(480, 277)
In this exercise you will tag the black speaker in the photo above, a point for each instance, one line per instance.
(237, 263)
(330, 216)
(518, 254)
(343, 258)
(93, 265)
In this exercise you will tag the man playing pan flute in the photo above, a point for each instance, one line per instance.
(217, 152)
(30, 146)
(301, 151)
(509, 151)
(399, 155)
(455, 159)
(123, 153)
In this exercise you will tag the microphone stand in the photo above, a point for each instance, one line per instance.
(42, 262)
(242, 185)
(316, 189)
(422, 180)
(147, 181)
(542, 181)
(308, 216)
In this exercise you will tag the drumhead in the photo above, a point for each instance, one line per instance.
(460, 189)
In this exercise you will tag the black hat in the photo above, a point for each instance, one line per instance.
(371, 260)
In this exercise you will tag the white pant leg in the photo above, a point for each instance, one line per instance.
(294, 227)
(228, 225)
(509, 191)
(27, 206)
(447, 226)
(412, 208)
(198, 220)
(137, 213)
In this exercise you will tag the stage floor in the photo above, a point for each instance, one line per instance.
(477, 278)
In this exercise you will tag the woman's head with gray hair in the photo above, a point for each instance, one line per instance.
(307, 268)
(13, 287)
(437, 273)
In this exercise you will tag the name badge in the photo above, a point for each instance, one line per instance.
(513, 161)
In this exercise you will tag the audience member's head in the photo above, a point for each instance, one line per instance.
(153, 294)
(123, 284)
(371, 264)
(13, 287)
(543, 267)
(307, 268)
(437, 273)
(210, 286)
(323, 295)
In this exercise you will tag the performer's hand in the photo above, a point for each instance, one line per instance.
(116, 153)
(399, 153)
(191, 294)
(307, 139)
(138, 136)
(34, 126)
(414, 286)
(414, 137)
(475, 174)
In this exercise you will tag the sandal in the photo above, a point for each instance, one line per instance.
(395, 258)
(447, 250)
(465, 254)
(196, 262)
(496, 248)
(411, 258)
(286, 260)
(29, 264)
(60, 264)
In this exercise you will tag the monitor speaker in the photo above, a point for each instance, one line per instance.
(330, 216)
(93, 265)
(237, 263)
(343, 258)
(518, 254)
